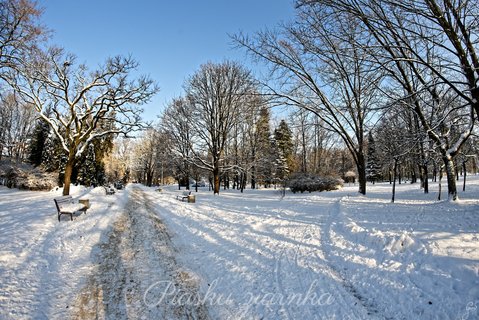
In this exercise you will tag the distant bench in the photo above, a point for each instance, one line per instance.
(65, 205)
(109, 190)
(184, 196)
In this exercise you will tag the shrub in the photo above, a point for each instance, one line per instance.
(310, 183)
(24, 176)
(350, 176)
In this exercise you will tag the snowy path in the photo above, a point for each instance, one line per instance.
(43, 261)
(267, 258)
(333, 255)
(137, 261)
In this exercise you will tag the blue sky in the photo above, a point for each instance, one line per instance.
(170, 39)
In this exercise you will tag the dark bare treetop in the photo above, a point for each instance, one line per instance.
(217, 95)
(19, 31)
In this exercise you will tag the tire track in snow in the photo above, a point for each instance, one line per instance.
(325, 281)
(134, 264)
(371, 310)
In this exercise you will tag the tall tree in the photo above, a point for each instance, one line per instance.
(284, 141)
(319, 64)
(217, 95)
(373, 167)
(118, 161)
(261, 153)
(85, 106)
(176, 121)
(38, 141)
(20, 31)
(430, 48)
(16, 119)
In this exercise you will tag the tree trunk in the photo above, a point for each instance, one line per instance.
(361, 166)
(394, 180)
(253, 177)
(425, 178)
(216, 179)
(149, 177)
(440, 184)
(399, 174)
(451, 177)
(68, 175)
(242, 181)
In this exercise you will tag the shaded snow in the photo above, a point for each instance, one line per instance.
(334, 255)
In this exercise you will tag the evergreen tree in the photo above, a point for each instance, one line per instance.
(261, 165)
(90, 170)
(373, 165)
(37, 144)
(284, 141)
(52, 153)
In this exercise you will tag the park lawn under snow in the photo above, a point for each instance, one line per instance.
(258, 255)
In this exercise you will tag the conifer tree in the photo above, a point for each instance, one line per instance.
(373, 166)
(261, 165)
(52, 153)
(37, 144)
(91, 169)
(284, 141)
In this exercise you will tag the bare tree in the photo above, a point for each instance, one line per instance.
(85, 106)
(19, 32)
(149, 156)
(217, 95)
(117, 162)
(16, 120)
(318, 64)
(430, 48)
(254, 131)
(176, 121)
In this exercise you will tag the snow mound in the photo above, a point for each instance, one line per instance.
(403, 243)
(25, 177)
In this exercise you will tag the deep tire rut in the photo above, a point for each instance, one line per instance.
(136, 266)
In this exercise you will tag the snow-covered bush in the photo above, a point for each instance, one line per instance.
(350, 176)
(24, 176)
(310, 183)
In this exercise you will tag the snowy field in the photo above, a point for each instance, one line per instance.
(257, 255)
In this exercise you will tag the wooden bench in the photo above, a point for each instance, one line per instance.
(184, 196)
(66, 205)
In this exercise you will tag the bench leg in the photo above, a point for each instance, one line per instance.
(60, 214)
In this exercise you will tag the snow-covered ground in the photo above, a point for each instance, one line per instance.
(256, 255)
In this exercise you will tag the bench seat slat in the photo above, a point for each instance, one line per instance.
(71, 207)
(184, 195)
(65, 205)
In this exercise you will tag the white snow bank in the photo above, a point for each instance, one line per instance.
(42, 261)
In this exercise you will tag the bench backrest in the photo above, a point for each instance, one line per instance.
(61, 200)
